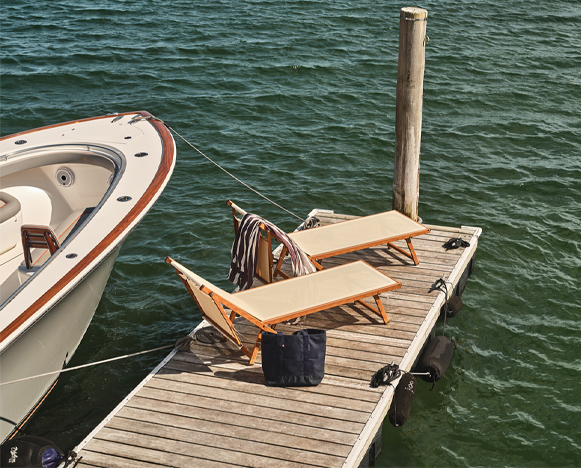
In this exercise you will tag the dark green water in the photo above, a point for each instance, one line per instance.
(298, 99)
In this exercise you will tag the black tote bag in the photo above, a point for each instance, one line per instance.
(296, 360)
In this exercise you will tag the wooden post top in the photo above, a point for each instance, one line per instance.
(413, 14)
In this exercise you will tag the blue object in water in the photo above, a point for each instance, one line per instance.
(51, 458)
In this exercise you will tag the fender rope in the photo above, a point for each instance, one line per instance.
(439, 284)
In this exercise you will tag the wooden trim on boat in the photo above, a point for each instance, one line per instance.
(33, 410)
(72, 122)
(162, 172)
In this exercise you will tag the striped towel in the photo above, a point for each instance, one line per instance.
(245, 252)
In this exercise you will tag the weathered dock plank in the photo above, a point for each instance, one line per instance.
(207, 407)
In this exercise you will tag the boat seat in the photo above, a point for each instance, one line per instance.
(35, 204)
(10, 222)
(9, 207)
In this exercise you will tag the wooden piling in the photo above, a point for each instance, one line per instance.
(408, 113)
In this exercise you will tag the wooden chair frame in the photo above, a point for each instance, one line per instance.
(265, 260)
(316, 259)
(268, 325)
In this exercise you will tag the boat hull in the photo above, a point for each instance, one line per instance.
(88, 183)
(47, 346)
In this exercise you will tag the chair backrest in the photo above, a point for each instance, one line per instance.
(204, 294)
(37, 237)
(264, 260)
(237, 214)
(212, 312)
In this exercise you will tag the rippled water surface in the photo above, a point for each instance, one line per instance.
(298, 99)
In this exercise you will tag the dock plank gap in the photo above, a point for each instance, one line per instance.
(206, 406)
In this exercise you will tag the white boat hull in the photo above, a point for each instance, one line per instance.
(48, 346)
(87, 184)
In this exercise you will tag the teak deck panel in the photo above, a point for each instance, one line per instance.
(207, 407)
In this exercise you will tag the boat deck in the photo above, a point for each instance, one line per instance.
(207, 407)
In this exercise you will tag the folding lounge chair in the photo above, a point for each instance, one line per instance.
(267, 305)
(349, 236)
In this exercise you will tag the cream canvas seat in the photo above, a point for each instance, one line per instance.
(339, 238)
(267, 305)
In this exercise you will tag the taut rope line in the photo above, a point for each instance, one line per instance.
(181, 344)
(233, 176)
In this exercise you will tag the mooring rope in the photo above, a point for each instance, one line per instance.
(233, 176)
(181, 344)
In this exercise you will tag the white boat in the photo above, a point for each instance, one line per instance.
(70, 195)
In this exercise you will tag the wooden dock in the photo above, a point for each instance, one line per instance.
(206, 407)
